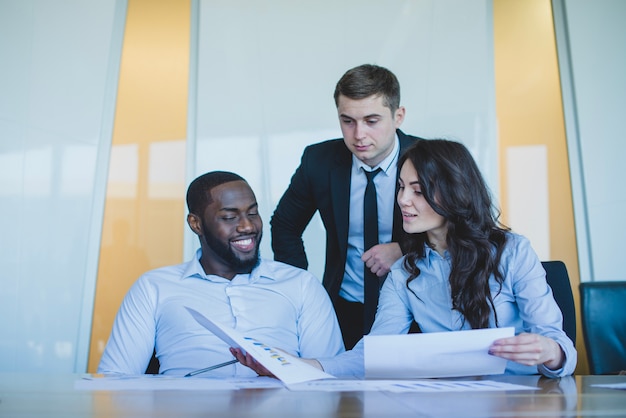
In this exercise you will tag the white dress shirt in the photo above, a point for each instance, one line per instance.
(282, 306)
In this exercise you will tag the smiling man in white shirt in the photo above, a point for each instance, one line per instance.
(226, 281)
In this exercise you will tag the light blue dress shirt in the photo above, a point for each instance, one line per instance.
(385, 181)
(282, 306)
(524, 302)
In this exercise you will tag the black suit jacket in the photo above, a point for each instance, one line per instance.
(322, 183)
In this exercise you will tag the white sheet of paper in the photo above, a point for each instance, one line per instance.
(150, 382)
(620, 386)
(287, 368)
(166, 382)
(407, 386)
(434, 354)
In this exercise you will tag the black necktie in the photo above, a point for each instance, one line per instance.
(370, 238)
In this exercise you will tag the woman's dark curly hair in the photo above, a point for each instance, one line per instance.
(454, 187)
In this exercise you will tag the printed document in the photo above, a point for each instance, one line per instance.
(287, 368)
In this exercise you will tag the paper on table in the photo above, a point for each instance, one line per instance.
(434, 354)
(288, 369)
(621, 386)
(166, 382)
(423, 385)
(150, 382)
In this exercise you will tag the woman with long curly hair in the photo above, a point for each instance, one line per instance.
(464, 270)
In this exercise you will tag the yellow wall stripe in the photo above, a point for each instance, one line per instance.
(530, 113)
(144, 209)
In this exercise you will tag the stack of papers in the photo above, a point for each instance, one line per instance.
(399, 358)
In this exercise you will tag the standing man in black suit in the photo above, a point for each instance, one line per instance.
(332, 179)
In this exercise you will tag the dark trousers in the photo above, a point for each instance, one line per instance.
(350, 317)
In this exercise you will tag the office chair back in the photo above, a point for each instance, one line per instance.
(558, 279)
(153, 365)
(604, 325)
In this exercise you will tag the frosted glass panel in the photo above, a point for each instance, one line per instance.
(593, 65)
(266, 72)
(528, 195)
(54, 115)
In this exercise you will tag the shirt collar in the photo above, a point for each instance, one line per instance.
(385, 164)
(194, 269)
(432, 255)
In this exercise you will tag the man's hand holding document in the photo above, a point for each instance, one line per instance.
(287, 368)
(434, 354)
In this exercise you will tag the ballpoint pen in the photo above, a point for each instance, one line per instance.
(208, 369)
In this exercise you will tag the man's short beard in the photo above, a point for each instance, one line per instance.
(239, 266)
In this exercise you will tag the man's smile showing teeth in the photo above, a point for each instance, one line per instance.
(244, 244)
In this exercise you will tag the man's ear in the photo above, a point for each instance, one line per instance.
(194, 223)
(398, 117)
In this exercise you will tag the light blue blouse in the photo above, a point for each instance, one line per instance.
(524, 302)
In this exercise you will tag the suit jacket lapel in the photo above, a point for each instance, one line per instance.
(340, 193)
